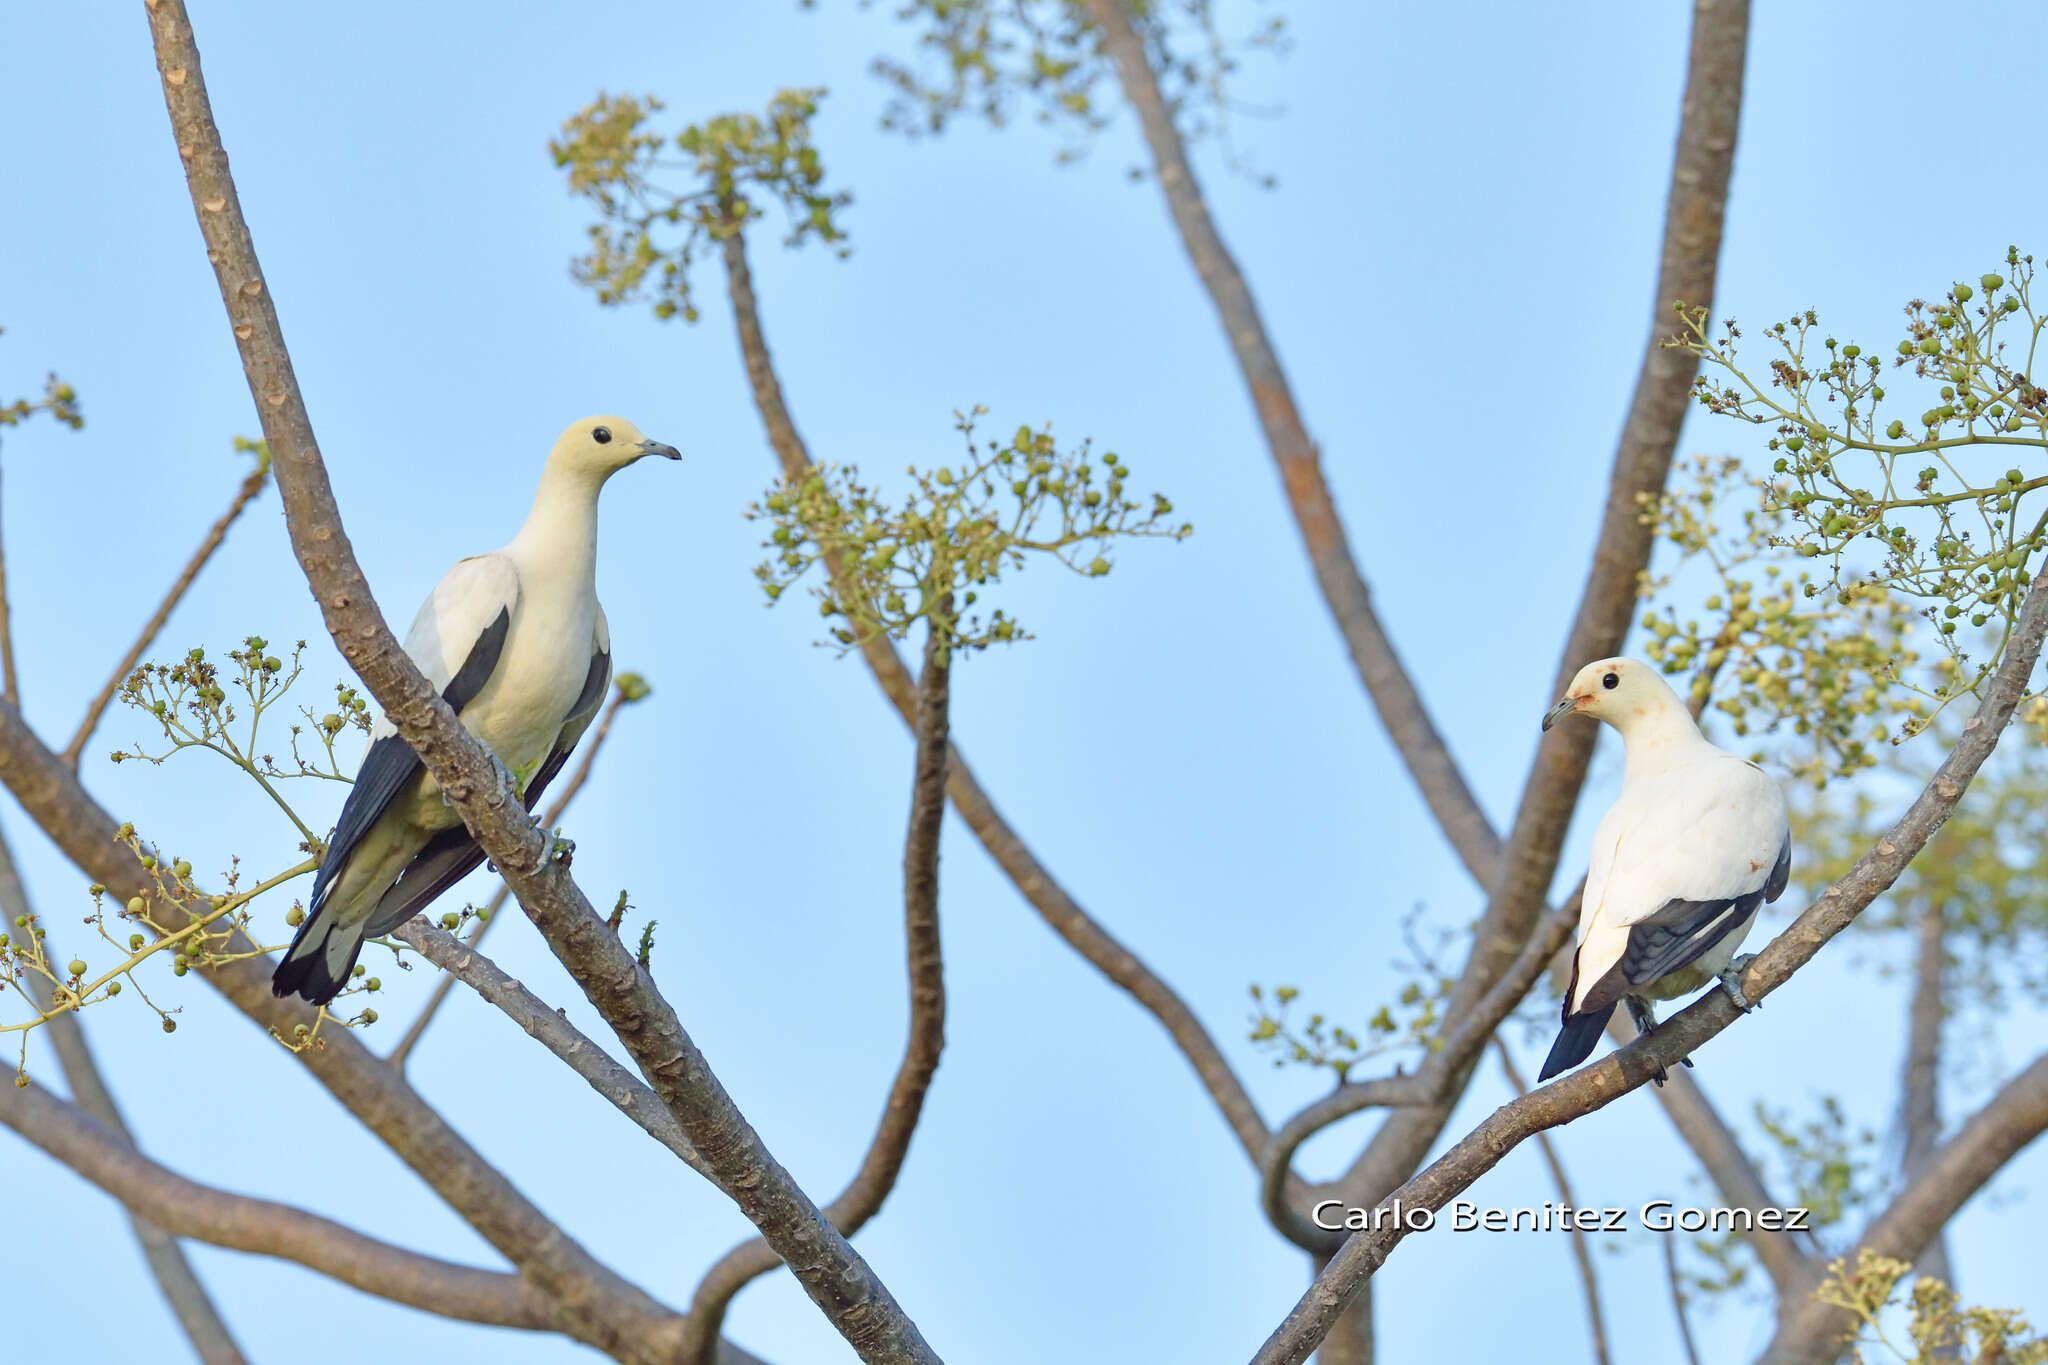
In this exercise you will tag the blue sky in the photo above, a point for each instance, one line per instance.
(1457, 268)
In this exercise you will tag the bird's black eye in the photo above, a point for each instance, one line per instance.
(603, 436)
(1611, 681)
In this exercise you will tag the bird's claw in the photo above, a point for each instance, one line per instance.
(1731, 982)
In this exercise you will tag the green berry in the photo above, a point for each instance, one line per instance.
(295, 917)
(1895, 430)
(76, 966)
(170, 1026)
(1964, 293)
(137, 905)
(369, 1016)
(1991, 282)
(2014, 476)
(1930, 346)
(113, 988)
(182, 868)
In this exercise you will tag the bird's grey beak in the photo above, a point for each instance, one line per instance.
(1560, 711)
(657, 448)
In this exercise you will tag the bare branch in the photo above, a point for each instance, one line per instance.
(626, 1091)
(1692, 1352)
(241, 1223)
(1607, 1080)
(609, 1313)
(211, 1340)
(1393, 693)
(1735, 1177)
(215, 534)
(1589, 1279)
(862, 1198)
(1033, 881)
(1920, 1089)
(842, 1284)
(1693, 221)
(1812, 1333)
(549, 819)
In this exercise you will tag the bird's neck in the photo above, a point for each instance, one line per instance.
(1663, 737)
(560, 534)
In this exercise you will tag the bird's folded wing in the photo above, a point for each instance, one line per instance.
(455, 641)
(596, 683)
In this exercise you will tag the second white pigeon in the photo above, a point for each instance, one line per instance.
(517, 644)
(1693, 847)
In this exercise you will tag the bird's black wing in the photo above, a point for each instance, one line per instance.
(391, 762)
(1675, 935)
(1781, 872)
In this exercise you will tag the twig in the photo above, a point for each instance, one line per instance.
(1393, 692)
(1692, 1352)
(1033, 880)
(835, 1276)
(215, 534)
(863, 1197)
(1589, 1279)
(550, 818)
(1604, 1082)
(182, 1288)
(1920, 1087)
(553, 1031)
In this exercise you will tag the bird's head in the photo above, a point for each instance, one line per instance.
(1618, 691)
(600, 447)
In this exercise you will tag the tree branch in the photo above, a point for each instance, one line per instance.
(862, 1199)
(217, 533)
(617, 1084)
(1607, 1080)
(607, 1311)
(549, 819)
(1589, 1279)
(1033, 881)
(1692, 1352)
(838, 1280)
(241, 1223)
(1693, 221)
(1919, 1090)
(181, 1286)
(10, 683)
(1393, 692)
(1812, 1334)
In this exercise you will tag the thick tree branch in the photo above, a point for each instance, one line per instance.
(1589, 1278)
(549, 819)
(838, 1280)
(215, 534)
(1044, 894)
(608, 1312)
(549, 1027)
(863, 1197)
(1919, 1091)
(149, 1191)
(1607, 1080)
(182, 1289)
(1393, 692)
(1952, 1174)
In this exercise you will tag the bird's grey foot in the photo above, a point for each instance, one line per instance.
(505, 775)
(1731, 982)
(1645, 1019)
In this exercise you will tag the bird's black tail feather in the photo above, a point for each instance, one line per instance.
(1575, 1041)
(318, 963)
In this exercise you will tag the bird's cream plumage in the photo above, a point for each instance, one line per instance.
(517, 643)
(1694, 845)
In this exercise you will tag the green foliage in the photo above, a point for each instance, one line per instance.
(59, 400)
(1410, 1023)
(1766, 650)
(985, 58)
(1938, 1327)
(1927, 505)
(928, 557)
(1826, 1162)
(657, 213)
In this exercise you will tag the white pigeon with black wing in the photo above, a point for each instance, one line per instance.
(1695, 844)
(517, 644)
